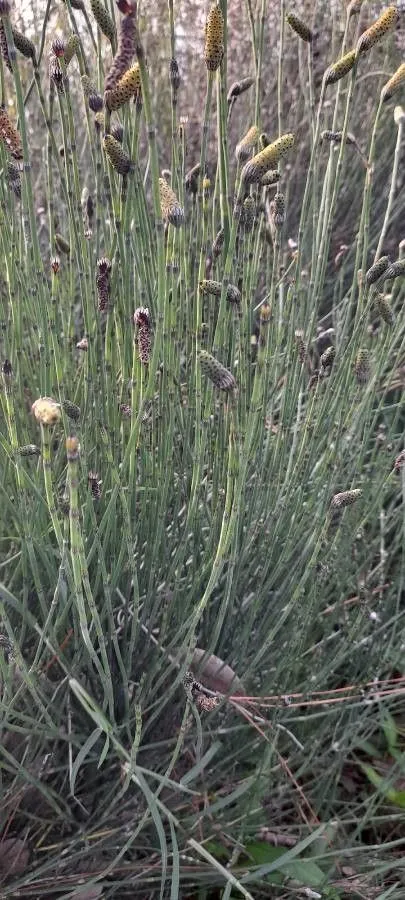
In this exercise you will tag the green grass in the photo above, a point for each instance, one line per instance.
(153, 525)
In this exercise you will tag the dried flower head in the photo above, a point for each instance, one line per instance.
(214, 38)
(172, 212)
(256, 168)
(46, 411)
(377, 30)
(221, 377)
(83, 344)
(55, 72)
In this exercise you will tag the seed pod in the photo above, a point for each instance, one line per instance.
(103, 283)
(345, 498)
(218, 244)
(327, 358)
(46, 411)
(24, 45)
(239, 87)
(340, 68)
(125, 53)
(118, 133)
(93, 480)
(29, 450)
(362, 366)
(214, 289)
(279, 210)
(270, 178)
(61, 244)
(256, 168)
(384, 309)
(376, 271)
(143, 327)
(221, 377)
(395, 270)
(376, 32)
(300, 344)
(14, 179)
(72, 48)
(394, 83)
(119, 160)
(247, 218)
(174, 75)
(191, 180)
(299, 27)
(336, 137)
(10, 136)
(71, 410)
(214, 39)
(128, 86)
(245, 147)
(103, 19)
(172, 212)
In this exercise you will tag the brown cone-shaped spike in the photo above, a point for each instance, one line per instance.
(362, 366)
(247, 144)
(129, 85)
(119, 160)
(340, 68)
(256, 168)
(299, 27)
(72, 48)
(172, 212)
(345, 498)
(103, 19)
(10, 136)
(247, 218)
(384, 309)
(125, 53)
(378, 29)
(71, 410)
(214, 289)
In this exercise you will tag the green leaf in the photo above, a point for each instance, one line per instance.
(303, 870)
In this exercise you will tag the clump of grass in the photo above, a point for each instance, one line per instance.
(201, 446)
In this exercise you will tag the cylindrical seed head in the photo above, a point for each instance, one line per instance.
(362, 366)
(394, 83)
(345, 498)
(29, 450)
(218, 244)
(4, 48)
(125, 53)
(62, 244)
(336, 137)
(395, 270)
(340, 68)
(10, 136)
(103, 283)
(214, 289)
(279, 210)
(71, 410)
(247, 217)
(103, 19)
(377, 30)
(376, 271)
(384, 309)
(24, 45)
(129, 85)
(270, 178)
(328, 357)
(221, 377)
(214, 39)
(72, 448)
(174, 74)
(256, 168)
(245, 146)
(172, 212)
(14, 179)
(299, 27)
(239, 87)
(72, 48)
(191, 180)
(143, 327)
(119, 160)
